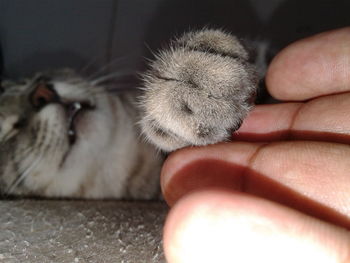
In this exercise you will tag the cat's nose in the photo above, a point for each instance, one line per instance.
(42, 95)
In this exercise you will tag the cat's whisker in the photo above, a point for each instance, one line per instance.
(108, 67)
(24, 153)
(6, 137)
(110, 76)
(152, 52)
(88, 65)
(27, 170)
(22, 175)
(119, 87)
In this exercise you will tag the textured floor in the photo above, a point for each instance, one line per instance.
(81, 231)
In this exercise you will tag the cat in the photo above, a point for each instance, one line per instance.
(62, 135)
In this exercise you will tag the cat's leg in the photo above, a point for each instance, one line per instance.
(198, 91)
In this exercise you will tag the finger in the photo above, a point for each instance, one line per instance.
(312, 67)
(213, 226)
(312, 177)
(323, 119)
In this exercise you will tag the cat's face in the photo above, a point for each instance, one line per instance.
(53, 129)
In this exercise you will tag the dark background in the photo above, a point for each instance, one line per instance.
(37, 35)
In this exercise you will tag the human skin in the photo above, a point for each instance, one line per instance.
(280, 191)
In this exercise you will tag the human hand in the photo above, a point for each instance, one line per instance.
(281, 191)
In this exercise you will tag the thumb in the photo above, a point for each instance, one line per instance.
(222, 226)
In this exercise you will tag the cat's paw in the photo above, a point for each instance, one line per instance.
(198, 91)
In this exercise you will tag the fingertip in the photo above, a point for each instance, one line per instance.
(224, 226)
(269, 122)
(187, 237)
(311, 67)
(191, 169)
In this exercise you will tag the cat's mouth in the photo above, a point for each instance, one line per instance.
(75, 111)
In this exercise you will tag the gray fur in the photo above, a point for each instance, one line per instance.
(196, 92)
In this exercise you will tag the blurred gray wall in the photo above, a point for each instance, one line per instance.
(41, 34)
